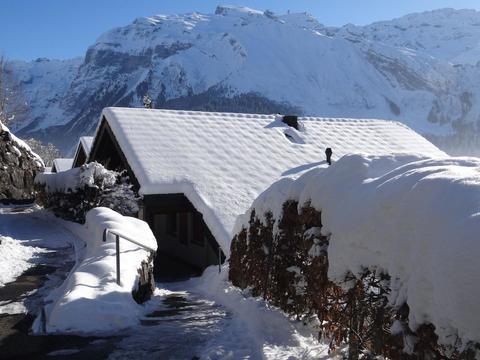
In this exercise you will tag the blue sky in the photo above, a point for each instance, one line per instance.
(65, 28)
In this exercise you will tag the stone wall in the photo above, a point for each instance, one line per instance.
(18, 168)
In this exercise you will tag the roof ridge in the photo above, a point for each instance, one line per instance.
(194, 112)
(250, 115)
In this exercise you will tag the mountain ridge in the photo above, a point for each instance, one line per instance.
(245, 60)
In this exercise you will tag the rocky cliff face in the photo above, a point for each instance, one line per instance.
(420, 69)
(18, 167)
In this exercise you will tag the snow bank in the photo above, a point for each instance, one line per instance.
(416, 219)
(90, 300)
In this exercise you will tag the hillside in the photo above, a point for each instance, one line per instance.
(420, 69)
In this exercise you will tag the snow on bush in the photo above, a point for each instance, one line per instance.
(90, 300)
(415, 220)
(70, 194)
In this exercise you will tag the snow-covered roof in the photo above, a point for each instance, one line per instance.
(62, 164)
(223, 161)
(86, 142)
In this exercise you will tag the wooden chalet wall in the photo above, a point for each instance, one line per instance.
(80, 157)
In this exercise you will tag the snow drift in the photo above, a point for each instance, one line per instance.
(416, 219)
(90, 299)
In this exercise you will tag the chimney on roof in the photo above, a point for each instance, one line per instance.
(328, 153)
(291, 120)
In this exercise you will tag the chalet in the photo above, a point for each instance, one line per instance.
(82, 151)
(61, 164)
(197, 171)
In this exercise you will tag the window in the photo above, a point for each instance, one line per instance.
(198, 229)
(183, 227)
(172, 225)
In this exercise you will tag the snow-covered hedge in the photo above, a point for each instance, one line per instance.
(71, 194)
(90, 300)
(394, 246)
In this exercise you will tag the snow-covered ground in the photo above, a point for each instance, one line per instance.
(208, 318)
(28, 240)
(203, 317)
(25, 237)
(16, 258)
(255, 329)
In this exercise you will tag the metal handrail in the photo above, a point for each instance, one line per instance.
(119, 235)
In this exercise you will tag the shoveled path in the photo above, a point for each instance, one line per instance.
(178, 326)
(22, 299)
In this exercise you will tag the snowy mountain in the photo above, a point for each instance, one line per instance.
(43, 83)
(446, 34)
(420, 69)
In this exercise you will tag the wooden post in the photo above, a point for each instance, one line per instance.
(328, 153)
(117, 240)
(105, 235)
(219, 259)
(43, 318)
